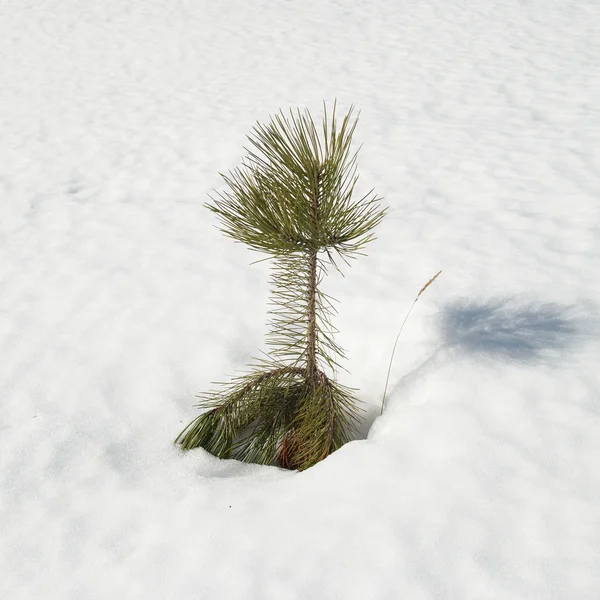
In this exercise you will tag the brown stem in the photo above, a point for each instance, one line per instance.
(311, 345)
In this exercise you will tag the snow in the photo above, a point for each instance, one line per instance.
(120, 300)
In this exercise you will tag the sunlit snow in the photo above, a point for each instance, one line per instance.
(120, 300)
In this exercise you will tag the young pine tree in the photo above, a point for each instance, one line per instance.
(291, 199)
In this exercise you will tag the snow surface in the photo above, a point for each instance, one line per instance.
(120, 300)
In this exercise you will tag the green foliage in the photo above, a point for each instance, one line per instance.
(274, 415)
(270, 201)
(292, 199)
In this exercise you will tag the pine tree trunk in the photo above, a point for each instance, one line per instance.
(311, 346)
(311, 349)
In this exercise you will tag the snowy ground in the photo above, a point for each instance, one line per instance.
(119, 300)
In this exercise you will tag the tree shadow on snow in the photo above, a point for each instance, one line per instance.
(522, 332)
(504, 330)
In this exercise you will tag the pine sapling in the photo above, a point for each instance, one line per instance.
(293, 200)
